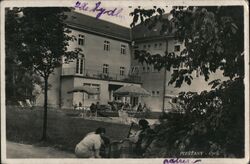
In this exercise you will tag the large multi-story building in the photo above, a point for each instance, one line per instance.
(104, 64)
(156, 82)
(107, 63)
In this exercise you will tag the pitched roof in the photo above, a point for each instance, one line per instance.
(141, 32)
(97, 26)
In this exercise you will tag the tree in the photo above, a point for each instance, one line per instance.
(214, 40)
(14, 73)
(40, 38)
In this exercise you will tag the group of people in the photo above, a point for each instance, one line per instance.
(95, 107)
(114, 107)
(93, 145)
(128, 107)
(141, 108)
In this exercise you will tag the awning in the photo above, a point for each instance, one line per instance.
(170, 96)
(131, 90)
(85, 89)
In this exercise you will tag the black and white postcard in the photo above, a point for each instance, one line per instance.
(116, 81)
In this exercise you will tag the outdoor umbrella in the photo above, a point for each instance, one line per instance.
(86, 89)
(131, 90)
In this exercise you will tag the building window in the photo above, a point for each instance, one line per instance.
(105, 69)
(106, 45)
(122, 71)
(123, 49)
(155, 70)
(144, 46)
(197, 72)
(135, 70)
(94, 86)
(143, 69)
(79, 65)
(160, 46)
(149, 46)
(148, 69)
(155, 93)
(155, 46)
(81, 40)
(177, 48)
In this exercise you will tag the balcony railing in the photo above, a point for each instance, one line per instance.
(100, 75)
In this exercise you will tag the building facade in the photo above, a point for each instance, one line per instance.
(156, 82)
(107, 63)
(104, 64)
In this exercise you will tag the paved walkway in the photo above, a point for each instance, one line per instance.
(16, 150)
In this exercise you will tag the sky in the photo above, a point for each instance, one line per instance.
(122, 18)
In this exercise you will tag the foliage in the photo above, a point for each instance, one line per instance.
(42, 39)
(210, 118)
(213, 39)
(17, 78)
(212, 121)
(37, 38)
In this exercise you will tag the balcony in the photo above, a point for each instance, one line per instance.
(95, 74)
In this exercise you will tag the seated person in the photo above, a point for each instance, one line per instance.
(92, 108)
(98, 106)
(80, 106)
(139, 108)
(126, 106)
(114, 107)
(144, 108)
(142, 138)
(90, 145)
(104, 147)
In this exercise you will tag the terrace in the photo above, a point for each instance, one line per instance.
(97, 74)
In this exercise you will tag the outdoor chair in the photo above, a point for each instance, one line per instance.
(28, 103)
(81, 114)
(85, 112)
(132, 113)
(124, 148)
(21, 104)
(121, 149)
(123, 115)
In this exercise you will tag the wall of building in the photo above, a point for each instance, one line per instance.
(69, 100)
(53, 92)
(67, 84)
(153, 81)
(95, 56)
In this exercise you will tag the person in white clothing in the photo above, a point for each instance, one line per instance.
(89, 146)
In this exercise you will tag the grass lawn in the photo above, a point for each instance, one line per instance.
(64, 132)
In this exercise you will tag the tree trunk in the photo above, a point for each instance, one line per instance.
(164, 82)
(44, 136)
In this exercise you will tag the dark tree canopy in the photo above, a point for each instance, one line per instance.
(36, 40)
(213, 38)
(42, 38)
(212, 121)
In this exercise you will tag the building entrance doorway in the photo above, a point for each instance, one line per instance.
(134, 101)
(112, 88)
